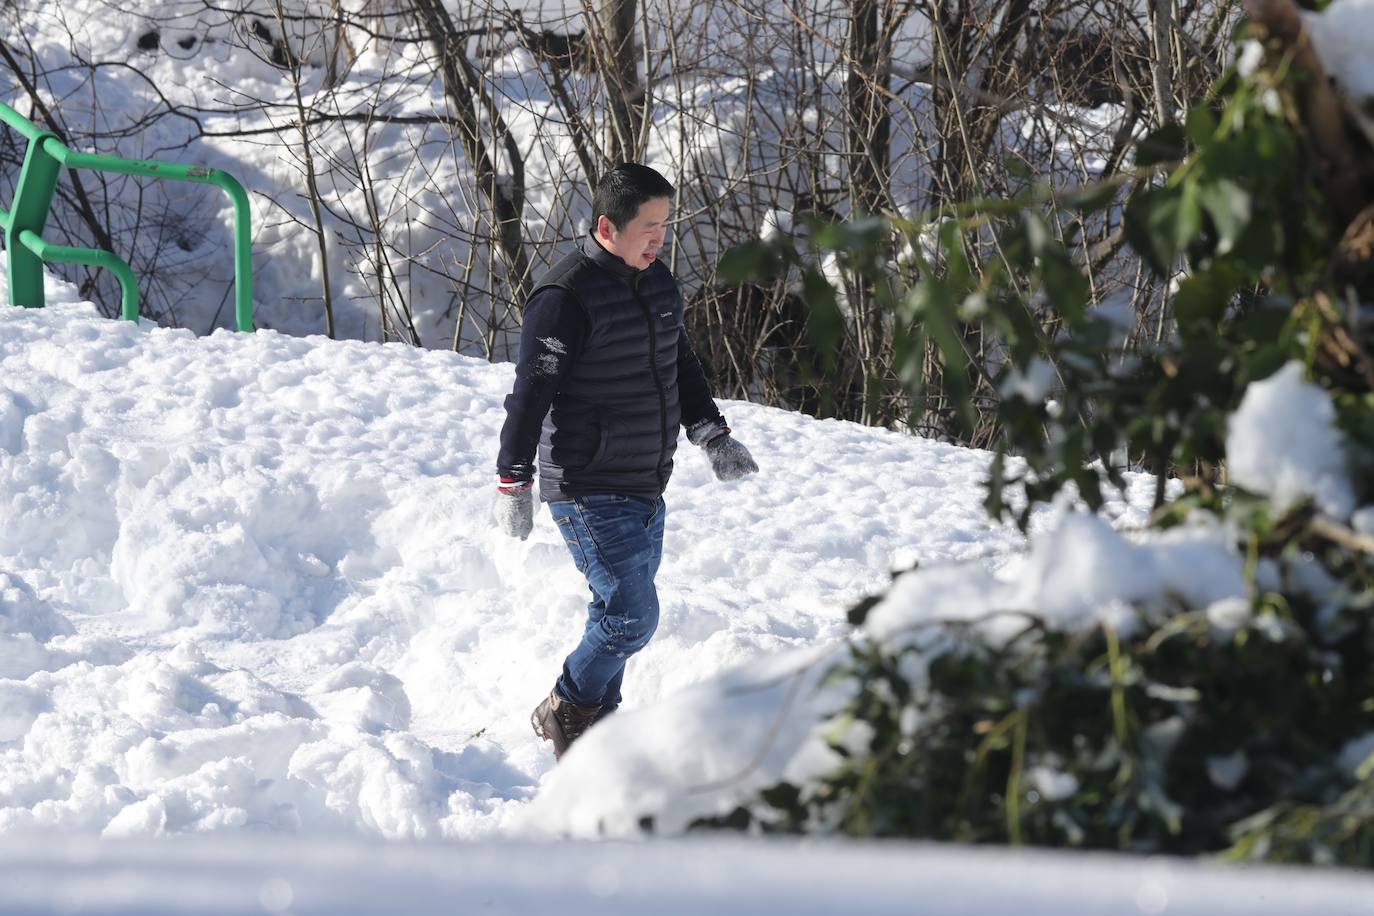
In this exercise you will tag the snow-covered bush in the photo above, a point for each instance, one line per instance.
(1173, 722)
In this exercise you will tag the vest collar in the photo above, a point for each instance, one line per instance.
(608, 262)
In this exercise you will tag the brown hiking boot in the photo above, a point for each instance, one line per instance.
(561, 722)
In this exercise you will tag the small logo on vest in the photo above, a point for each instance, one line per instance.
(666, 315)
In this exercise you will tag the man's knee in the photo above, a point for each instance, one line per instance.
(640, 614)
(639, 630)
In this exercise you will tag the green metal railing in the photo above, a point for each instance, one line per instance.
(23, 223)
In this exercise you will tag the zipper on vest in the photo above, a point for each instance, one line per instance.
(658, 383)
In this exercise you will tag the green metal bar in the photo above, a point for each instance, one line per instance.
(20, 123)
(199, 174)
(32, 201)
(243, 248)
(23, 225)
(91, 257)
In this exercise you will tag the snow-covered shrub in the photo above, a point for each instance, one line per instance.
(1170, 723)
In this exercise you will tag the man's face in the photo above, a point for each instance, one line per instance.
(638, 241)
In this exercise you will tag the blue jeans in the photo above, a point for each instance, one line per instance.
(616, 542)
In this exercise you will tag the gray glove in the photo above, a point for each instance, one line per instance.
(514, 508)
(729, 459)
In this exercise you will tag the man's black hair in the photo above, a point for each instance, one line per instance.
(624, 189)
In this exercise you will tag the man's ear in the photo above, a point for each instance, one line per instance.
(604, 227)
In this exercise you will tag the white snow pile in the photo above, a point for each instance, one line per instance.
(712, 748)
(1282, 443)
(1342, 34)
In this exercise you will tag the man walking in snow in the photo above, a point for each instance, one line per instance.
(604, 380)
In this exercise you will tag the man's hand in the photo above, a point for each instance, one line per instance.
(729, 459)
(514, 508)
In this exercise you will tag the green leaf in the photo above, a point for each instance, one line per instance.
(1065, 287)
(1200, 307)
(1200, 304)
(957, 270)
(1201, 125)
(1184, 225)
(994, 503)
(784, 796)
(1229, 206)
(1167, 144)
(1092, 198)
(1162, 222)
(1017, 168)
(859, 612)
(750, 262)
(825, 325)
(934, 303)
(858, 236)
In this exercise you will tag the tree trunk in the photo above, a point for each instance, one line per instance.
(868, 51)
(869, 123)
(462, 87)
(1162, 66)
(619, 65)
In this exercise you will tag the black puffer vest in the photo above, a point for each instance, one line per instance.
(613, 425)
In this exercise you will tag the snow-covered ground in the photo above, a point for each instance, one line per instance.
(730, 878)
(250, 579)
(249, 587)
